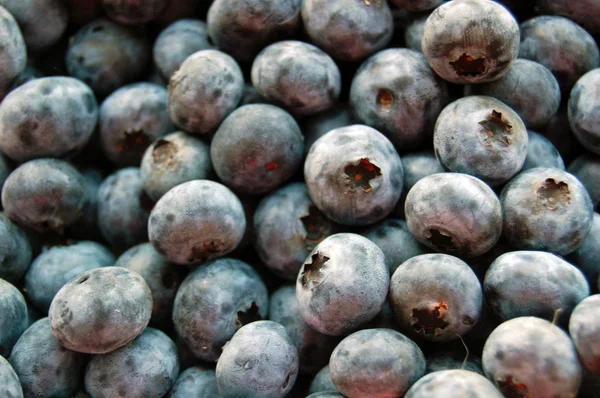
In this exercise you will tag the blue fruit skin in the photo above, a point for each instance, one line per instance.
(13, 321)
(452, 360)
(132, 12)
(146, 368)
(584, 331)
(541, 153)
(29, 73)
(376, 362)
(260, 360)
(130, 119)
(396, 92)
(585, 12)
(529, 355)
(529, 283)
(195, 222)
(46, 368)
(587, 169)
(583, 108)
(216, 300)
(15, 251)
(106, 55)
(86, 227)
(287, 227)
(546, 209)
(13, 55)
(10, 385)
(47, 117)
(559, 132)
(316, 126)
(57, 265)
(123, 209)
(322, 382)
(587, 257)
(455, 383)
(162, 277)
(314, 348)
(196, 382)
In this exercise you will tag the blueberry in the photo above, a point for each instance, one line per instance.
(559, 132)
(123, 209)
(29, 73)
(584, 12)
(316, 126)
(146, 368)
(454, 213)
(106, 55)
(15, 251)
(216, 300)
(342, 284)
(300, 76)
(481, 136)
(259, 361)
(57, 265)
(541, 153)
(585, 330)
(178, 41)
(546, 209)
(243, 29)
(414, 29)
(100, 310)
(397, 93)
(287, 227)
(322, 382)
(45, 194)
(470, 41)
(257, 148)
(587, 256)
(542, 36)
(205, 89)
(46, 368)
(13, 321)
(10, 385)
(196, 382)
(314, 348)
(416, 5)
(376, 363)
(583, 105)
(47, 117)
(454, 383)
(13, 55)
(529, 88)
(86, 227)
(444, 360)
(528, 355)
(348, 30)
(196, 221)
(354, 175)
(133, 12)
(587, 169)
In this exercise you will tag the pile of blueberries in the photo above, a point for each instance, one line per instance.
(292, 198)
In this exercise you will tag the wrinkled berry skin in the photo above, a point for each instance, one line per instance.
(106, 55)
(214, 301)
(546, 209)
(416, 5)
(10, 385)
(585, 331)
(585, 13)
(562, 46)
(13, 321)
(242, 29)
(314, 348)
(349, 30)
(145, 368)
(316, 126)
(259, 361)
(123, 209)
(470, 41)
(541, 153)
(532, 283)
(397, 93)
(15, 251)
(583, 111)
(133, 12)
(436, 297)
(195, 382)
(362, 185)
(172, 160)
(342, 284)
(587, 169)
(13, 55)
(178, 41)
(529, 88)
(481, 136)
(205, 89)
(376, 363)
(47, 117)
(287, 227)
(45, 195)
(100, 310)
(587, 256)
(257, 148)
(322, 382)
(196, 221)
(130, 119)
(298, 75)
(46, 368)
(528, 355)
(57, 265)
(454, 213)
(455, 383)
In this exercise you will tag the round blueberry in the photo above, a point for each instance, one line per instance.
(583, 111)
(13, 321)
(587, 256)
(455, 383)
(583, 12)
(541, 153)
(585, 331)
(15, 251)
(587, 169)
(13, 55)
(10, 385)
(195, 382)
(322, 382)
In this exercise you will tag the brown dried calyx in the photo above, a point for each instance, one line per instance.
(133, 140)
(314, 272)
(466, 65)
(439, 239)
(163, 153)
(315, 225)
(497, 130)
(430, 320)
(247, 316)
(361, 175)
(385, 99)
(553, 194)
(512, 389)
(203, 252)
